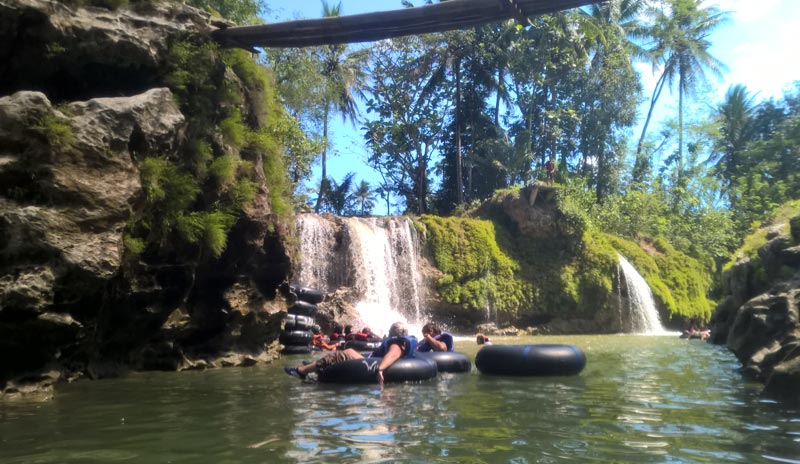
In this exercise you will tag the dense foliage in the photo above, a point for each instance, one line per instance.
(453, 117)
(236, 124)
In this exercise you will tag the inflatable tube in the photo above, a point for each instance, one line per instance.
(361, 345)
(298, 322)
(296, 337)
(296, 349)
(303, 308)
(309, 295)
(448, 361)
(366, 371)
(530, 360)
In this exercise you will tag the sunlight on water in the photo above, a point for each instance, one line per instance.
(639, 400)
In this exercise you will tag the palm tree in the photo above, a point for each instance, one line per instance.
(364, 196)
(339, 201)
(681, 29)
(737, 128)
(344, 79)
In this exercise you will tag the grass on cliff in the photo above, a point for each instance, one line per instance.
(192, 202)
(780, 221)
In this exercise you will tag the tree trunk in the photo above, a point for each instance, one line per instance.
(656, 93)
(459, 175)
(321, 194)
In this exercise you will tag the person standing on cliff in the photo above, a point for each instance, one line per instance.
(550, 169)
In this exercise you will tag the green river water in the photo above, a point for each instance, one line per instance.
(639, 400)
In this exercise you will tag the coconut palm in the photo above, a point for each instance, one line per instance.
(344, 80)
(364, 196)
(737, 128)
(681, 29)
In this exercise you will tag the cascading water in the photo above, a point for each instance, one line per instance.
(642, 315)
(378, 257)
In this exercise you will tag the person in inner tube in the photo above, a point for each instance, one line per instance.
(399, 344)
(435, 339)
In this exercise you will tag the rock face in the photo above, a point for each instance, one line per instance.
(759, 319)
(76, 53)
(82, 103)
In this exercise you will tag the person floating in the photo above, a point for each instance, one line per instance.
(435, 339)
(397, 345)
(319, 341)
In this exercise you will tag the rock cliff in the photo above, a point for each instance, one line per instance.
(759, 316)
(85, 99)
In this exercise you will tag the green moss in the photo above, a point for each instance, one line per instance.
(222, 171)
(58, 133)
(133, 246)
(233, 130)
(477, 273)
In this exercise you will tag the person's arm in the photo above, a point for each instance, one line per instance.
(435, 344)
(392, 354)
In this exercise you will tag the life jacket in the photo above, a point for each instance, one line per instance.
(444, 337)
(410, 342)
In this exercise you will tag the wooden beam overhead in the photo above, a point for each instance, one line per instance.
(368, 27)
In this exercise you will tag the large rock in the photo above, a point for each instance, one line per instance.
(759, 318)
(73, 53)
(68, 182)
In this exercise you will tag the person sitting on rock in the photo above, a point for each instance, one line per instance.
(435, 339)
(397, 345)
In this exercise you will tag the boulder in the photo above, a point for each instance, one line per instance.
(74, 53)
(68, 183)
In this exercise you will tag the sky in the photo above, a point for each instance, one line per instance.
(758, 44)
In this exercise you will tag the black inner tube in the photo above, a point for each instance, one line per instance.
(530, 360)
(366, 371)
(448, 361)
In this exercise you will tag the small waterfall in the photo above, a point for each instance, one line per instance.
(642, 315)
(377, 257)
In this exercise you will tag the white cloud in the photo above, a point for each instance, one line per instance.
(763, 58)
(745, 11)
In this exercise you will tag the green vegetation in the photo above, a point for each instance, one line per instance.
(191, 203)
(781, 220)
(477, 272)
(58, 133)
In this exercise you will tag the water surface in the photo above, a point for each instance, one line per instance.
(639, 400)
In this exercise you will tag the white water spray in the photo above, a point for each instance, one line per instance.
(378, 257)
(641, 308)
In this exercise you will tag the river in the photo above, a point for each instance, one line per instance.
(640, 399)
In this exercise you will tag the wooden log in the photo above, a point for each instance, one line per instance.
(437, 17)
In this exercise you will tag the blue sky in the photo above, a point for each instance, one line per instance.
(758, 45)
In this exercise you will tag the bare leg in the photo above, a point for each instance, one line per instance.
(334, 358)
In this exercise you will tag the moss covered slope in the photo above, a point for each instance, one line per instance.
(531, 261)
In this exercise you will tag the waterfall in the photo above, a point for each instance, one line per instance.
(375, 257)
(642, 315)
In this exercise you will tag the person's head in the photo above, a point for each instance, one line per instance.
(348, 329)
(315, 329)
(431, 328)
(337, 328)
(398, 329)
(366, 330)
